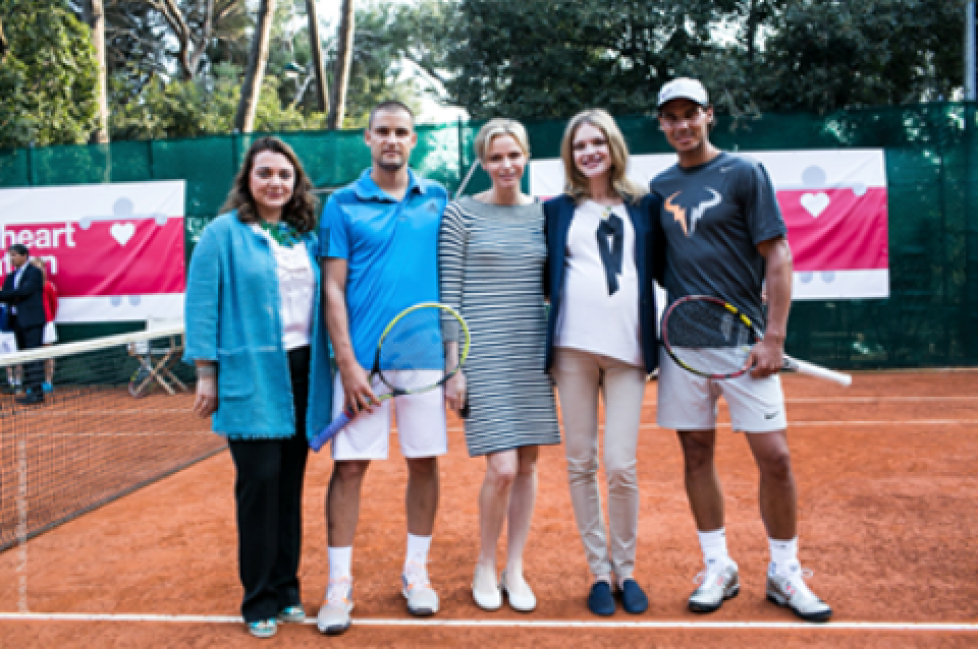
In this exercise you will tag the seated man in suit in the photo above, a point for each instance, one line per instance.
(23, 289)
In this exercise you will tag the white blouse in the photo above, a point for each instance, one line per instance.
(297, 286)
(591, 318)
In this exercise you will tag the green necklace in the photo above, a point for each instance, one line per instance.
(283, 233)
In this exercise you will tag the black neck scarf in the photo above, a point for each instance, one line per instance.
(611, 242)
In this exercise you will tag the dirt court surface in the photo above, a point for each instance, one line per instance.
(887, 487)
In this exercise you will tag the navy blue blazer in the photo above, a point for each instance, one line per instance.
(559, 212)
(28, 297)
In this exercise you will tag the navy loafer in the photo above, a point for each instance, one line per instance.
(600, 601)
(633, 598)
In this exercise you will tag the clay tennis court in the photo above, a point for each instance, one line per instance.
(887, 494)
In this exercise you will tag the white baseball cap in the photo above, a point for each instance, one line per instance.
(684, 88)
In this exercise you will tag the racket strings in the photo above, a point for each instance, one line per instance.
(707, 336)
(411, 355)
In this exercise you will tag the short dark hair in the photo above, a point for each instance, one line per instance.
(20, 249)
(389, 106)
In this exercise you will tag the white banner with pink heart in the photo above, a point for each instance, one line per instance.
(833, 201)
(114, 251)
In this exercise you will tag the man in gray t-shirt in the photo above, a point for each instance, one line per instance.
(715, 215)
(721, 234)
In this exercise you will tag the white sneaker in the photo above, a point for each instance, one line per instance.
(720, 581)
(422, 600)
(334, 616)
(792, 592)
(292, 615)
(263, 628)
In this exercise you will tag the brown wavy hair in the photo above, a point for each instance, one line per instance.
(576, 184)
(299, 212)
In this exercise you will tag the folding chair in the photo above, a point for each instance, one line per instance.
(157, 360)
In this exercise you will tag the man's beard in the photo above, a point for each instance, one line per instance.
(390, 166)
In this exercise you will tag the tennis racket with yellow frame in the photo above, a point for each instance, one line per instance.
(411, 356)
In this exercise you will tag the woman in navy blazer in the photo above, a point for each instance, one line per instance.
(601, 337)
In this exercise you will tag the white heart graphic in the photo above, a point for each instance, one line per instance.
(122, 232)
(815, 203)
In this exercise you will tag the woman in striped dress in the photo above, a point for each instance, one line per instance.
(491, 257)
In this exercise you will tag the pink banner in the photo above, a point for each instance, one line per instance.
(109, 258)
(114, 251)
(836, 229)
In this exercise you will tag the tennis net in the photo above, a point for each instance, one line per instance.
(118, 417)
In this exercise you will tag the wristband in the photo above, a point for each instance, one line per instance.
(206, 371)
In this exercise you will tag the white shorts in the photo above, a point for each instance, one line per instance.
(50, 334)
(421, 425)
(689, 402)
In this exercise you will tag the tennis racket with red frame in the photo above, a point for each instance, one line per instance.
(713, 338)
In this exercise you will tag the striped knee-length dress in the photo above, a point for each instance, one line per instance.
(491, 267)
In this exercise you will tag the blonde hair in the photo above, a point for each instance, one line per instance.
(39, 264)
(499, 127)
(576, 184)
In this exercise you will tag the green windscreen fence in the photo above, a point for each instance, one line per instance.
(929, 320)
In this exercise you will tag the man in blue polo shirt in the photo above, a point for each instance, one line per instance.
(382, 258)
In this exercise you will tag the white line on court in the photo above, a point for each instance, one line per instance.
(538, 624)
(843, 422)
(838, 422)
(875, 399)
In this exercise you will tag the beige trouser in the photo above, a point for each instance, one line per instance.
(579, 375)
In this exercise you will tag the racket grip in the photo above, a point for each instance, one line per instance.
(845, 380)
(329, 432)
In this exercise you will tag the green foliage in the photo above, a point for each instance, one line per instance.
(147, 102)
(47, 80)
(539, 58)
(376, 70)
(201, 107)
(830, 55)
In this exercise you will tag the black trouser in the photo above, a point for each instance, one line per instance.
(268, 493)
(30, 338)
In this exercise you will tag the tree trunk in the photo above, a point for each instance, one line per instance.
(344, 57)
(244, 120)
(3, 42)
(101, 134)
(316, 45)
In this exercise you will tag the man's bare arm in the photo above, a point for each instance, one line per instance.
(356, 382)
(767, 355)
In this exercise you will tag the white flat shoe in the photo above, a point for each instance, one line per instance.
(522, 602)
(488, 599)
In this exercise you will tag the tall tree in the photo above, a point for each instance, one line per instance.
(101, 133)
(48, 78)
(3, 42)
(827, 56)
(196, 24)
(539, 58)
(344, 59)
(244, 120)
(316, 48)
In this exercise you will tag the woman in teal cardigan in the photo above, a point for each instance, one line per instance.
(255, 335)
